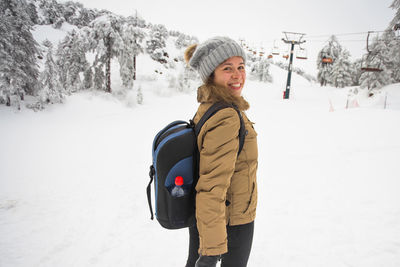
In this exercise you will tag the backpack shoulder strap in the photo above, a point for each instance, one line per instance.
(148, 190)
(214, 109)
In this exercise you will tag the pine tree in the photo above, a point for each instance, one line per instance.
(184, 78)
(108, 43)
(329, 51)
(32, 12)
(184, 40)
(137, 20)
(324, 72)
(71, 54)
(76, 14)
(99, 77)
(52, 12)
(181, 41)
(260, 70)
(132, 37)
(88, 78)
(392, 52)
(341, 70)
(155, 45)
(52, 90)
(18, 53)
(378, 57)
(396, 20)
(355, 72)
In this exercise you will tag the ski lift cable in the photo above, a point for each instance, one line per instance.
(336, 34)
(314, 38)
(311, 40)
(343, 34)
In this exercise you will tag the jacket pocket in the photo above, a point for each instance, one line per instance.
(252, 201)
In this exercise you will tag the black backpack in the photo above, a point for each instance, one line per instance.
(175, 153)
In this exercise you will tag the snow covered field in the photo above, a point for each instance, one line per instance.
(73, 179)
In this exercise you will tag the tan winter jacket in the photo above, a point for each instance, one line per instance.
(227, 187)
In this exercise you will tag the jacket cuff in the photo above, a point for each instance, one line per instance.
(216, 241)
(214, 251)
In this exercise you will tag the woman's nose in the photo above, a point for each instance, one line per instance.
(236, 74)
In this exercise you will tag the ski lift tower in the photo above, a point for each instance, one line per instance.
(292, 38)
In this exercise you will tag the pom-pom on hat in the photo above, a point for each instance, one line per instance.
(207, 56)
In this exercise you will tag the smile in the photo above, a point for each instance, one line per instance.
(235, 85)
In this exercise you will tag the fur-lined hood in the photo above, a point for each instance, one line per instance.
(209, 93)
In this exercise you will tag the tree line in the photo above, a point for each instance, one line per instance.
(380, 66)
(66, 68)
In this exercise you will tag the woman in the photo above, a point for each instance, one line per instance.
(226, 196)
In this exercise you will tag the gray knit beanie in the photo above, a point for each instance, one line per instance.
(212, 53)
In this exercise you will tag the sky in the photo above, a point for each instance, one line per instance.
(261, 22)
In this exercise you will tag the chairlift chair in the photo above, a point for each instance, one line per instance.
(371, 69)
(366, 63)
(301, 54)
(367, 67)
(327, 60)
(275, 50)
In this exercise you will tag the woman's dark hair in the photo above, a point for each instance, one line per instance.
(210, 80)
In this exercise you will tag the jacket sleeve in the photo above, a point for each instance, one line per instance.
(218, 145)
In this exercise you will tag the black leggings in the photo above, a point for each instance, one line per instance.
(240, 238)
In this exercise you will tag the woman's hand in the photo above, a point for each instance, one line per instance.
(207, 261)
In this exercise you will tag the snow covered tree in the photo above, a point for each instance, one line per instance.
(373, 80)
(260, 70)
(32, 12)
(88, 78)
(76, 14)
(155, 44)
(392, 52)
(132, 37)
(181, 41)
(329, 52)
(378, 57)
(341, 70)
(52, 90)
(18, 53)
(107, 42)
(99, 77)
(137, 20)
(181, 81)
(396, 20)
(71, 54)
(184, 78)
(51, 13)
(184, 41)
(323, 75)
(355, 72)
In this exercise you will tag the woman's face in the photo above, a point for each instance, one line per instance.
(231, 74)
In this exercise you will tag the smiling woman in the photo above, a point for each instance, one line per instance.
(226, 191)
(231, 74)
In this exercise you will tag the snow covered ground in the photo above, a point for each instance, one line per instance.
(73, 179)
